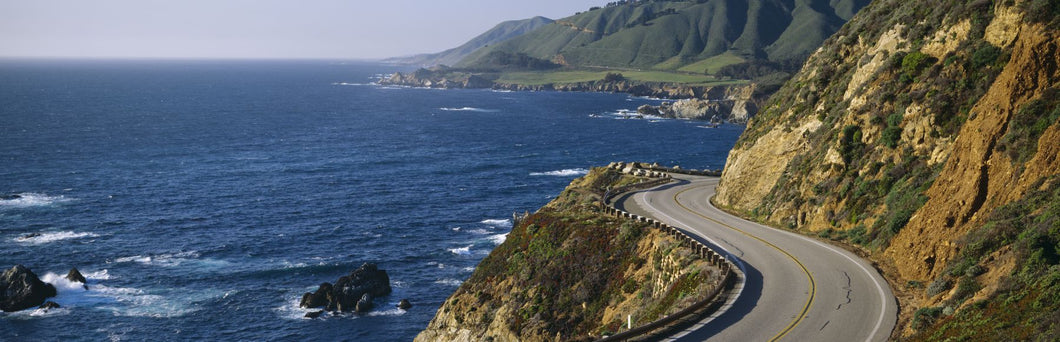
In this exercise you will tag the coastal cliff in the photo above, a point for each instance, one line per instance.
(925, 134)
(727, 102)
(571, 273)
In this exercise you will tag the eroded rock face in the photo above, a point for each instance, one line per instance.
(353, 292)
(21, 289)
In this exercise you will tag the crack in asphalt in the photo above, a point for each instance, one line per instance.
(849, 291)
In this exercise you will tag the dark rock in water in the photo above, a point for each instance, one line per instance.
(404, 304)
(316, 299)
(648, 110)
(349, 291)
(75, 276)
(366, 279)
(365, 304)
(28, 236)
(21, 289)
(49, 305)
(314, 314)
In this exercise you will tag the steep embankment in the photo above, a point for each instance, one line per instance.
(503, 31)
(926, 132)
(570, 273)
(671, 35)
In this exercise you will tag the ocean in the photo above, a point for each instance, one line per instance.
(201, 199)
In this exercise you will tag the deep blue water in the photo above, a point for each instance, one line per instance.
(201, 199)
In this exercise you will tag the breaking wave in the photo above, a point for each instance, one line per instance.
(43, 238)
(461, 250)
(30, 199)
(499, 223)
(562, 173)
(467, 109)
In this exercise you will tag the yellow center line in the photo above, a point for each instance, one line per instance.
(809, 277)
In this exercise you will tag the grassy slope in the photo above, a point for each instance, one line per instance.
(567, 271)
(503, 31)
(671, 35)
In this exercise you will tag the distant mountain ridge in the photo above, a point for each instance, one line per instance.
(681, 35)
(503, 31)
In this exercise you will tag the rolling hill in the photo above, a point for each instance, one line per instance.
(503, 31)
(688, 36)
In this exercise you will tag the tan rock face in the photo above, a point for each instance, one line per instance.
(949, 120)
(751, 174)
(975, 179)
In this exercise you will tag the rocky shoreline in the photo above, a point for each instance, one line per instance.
(22, 289)
(724, 103)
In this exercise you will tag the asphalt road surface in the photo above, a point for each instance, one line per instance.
(792, 287)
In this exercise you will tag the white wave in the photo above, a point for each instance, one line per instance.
(293, 311)
(461, 250)
(352, 84)
(499, 223)
(125, 301)
(468, 269)
(467, 109)
(562, 173)
(393, 311)
(42, 238)
(32, 199)
(449, 281)
(175, 260)
(97, 275)
(479, 231)
(498, 239)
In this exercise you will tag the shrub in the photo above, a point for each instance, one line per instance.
(925, 317)
(891, 136)
(938, 286)
(988, 54)
(915, 62)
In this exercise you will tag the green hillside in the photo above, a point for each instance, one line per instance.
(674, 35)
(503, 31)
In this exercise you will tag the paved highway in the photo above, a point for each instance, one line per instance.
(793, 288)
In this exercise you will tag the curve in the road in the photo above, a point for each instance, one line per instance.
(771, 276)
(809, 277)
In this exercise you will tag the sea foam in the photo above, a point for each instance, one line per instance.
(124, 301)
(498, 223)
(498, 239)
(43, 238)
(461, 250)
(467, 109)
(31, 199)
(562, 173)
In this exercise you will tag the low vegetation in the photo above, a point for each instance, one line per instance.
(571, 273)
(1024, 308)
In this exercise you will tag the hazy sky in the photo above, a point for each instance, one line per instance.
(256, 28)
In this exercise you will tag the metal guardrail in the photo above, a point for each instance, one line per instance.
(717, 259)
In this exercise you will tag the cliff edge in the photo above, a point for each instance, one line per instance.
(571, 273)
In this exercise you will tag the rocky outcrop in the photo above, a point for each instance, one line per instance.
(723, 110)
(572, 273)
(353, 292)
(926, 134)
(734, 103)
(21, 289)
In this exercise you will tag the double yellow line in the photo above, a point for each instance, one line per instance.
(809, 277)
